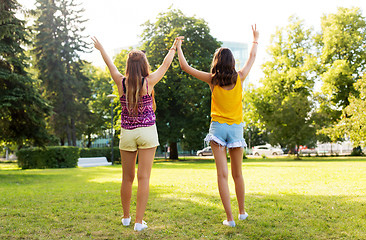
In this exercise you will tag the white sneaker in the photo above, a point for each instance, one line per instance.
(229, 223)
(126, 221)
(243, 216)
(140, 226)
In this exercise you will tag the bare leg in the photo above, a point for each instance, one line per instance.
(146, 159)
(236, 155)
(128, 160)
(222, 177)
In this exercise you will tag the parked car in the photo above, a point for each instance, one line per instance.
(308, 151)
(207, 151)
(266, 150)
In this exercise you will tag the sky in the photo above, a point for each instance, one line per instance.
(117, 23)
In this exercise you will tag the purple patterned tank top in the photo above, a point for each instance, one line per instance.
(145, 116)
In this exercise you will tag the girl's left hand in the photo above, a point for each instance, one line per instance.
(255, 33)
(179, 41)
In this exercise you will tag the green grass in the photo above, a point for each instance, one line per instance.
(315, 198)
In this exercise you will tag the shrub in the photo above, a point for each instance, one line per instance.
(102, 152)
(245, 155)
(49, 157)
(357, 151)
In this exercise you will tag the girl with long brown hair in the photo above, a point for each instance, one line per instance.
(226, 129)
(138, 130)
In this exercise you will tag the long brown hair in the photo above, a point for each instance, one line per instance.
(137, 67)
(223, 68)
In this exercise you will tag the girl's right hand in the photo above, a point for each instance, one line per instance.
(97, 44)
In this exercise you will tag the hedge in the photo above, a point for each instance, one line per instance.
(49, 157)
(101, 152)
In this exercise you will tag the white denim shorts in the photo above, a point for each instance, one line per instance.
(138, 138)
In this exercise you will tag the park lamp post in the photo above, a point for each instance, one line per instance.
(111, 96)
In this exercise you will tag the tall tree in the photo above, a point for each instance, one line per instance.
(97, 120)
(353, 121)
(342, 60)
(183, 102)
(58, 43)
(282, 106)
(22, 108)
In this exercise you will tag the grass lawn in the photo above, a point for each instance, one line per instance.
(315, 198)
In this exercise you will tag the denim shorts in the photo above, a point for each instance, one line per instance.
(226, 135)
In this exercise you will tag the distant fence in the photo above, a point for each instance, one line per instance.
(335, 148)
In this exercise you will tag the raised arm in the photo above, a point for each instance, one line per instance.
(243, 73)
(116, 75)
(156, 76)
(203, 76)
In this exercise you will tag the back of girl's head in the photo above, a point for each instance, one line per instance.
(223, 67)
(137, 64)
(137, 67)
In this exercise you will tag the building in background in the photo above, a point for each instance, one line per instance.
(240, 52)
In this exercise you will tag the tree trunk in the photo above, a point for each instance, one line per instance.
(68, 133)
(89, 141)
(73, 132)
(173, 151)
(297, 152)
(331, 149)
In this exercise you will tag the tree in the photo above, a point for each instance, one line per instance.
(353, 120)
(254, 136)
(183, 103)
(342, 59)
(98, 118)
(22, 108)
(282, 106)
(58, 43)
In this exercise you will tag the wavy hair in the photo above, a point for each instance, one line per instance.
(223, 68)
(137, 67)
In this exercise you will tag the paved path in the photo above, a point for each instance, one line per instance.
(93, 162)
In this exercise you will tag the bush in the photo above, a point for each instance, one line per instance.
(102, 152)
(357, 151)
(49, 157)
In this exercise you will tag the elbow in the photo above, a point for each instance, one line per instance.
(184, 67)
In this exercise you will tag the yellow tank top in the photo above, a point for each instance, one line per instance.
(227, 105)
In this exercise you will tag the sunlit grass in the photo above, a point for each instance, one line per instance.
(286, 199)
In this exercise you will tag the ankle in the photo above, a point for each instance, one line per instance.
(230, 218)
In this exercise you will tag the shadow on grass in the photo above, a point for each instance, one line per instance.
(268, 159)
(6, 178)
(199, 215)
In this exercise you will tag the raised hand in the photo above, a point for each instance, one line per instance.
(179, 41)
(97, 44)
(255, 32)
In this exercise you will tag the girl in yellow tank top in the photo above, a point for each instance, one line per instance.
(227, 105)
(226, 129)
